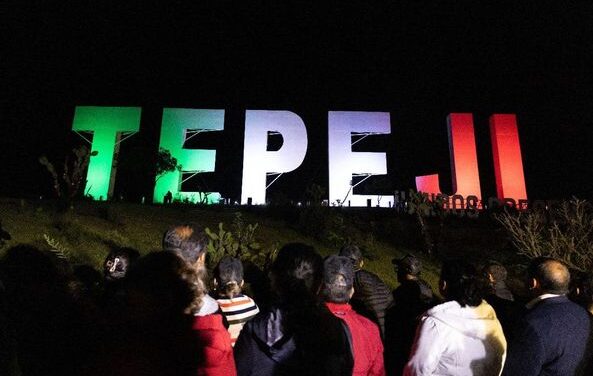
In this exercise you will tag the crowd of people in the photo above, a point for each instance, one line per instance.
(165, 313)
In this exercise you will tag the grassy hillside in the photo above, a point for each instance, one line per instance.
(87, 233)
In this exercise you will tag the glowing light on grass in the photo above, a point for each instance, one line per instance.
(258, 162)
(179, 125)
(344, 164)
(106, 124)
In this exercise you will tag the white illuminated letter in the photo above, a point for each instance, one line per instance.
(258, 162)
(344, 164)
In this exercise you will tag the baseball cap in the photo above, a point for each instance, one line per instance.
(352, 252)
(338, 270)
(409, 263)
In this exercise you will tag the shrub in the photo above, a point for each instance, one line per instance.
(563, 231)
(240, 243)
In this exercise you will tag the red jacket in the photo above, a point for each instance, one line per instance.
(367, 347)
(217, 353)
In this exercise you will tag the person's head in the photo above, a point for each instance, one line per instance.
(586, 291)
(187, 241)
(460, 281)
(161, 285)
(581, 290)
(338, 279)
(27, 267)
(546, 275)
(296, 270)
(496, 275)
(228, 276)
(86, 281)
(407, 268)
(118, 262)
(354, 254)
(496, 272)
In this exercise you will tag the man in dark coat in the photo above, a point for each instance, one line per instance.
(500, 297)
(552, 337)
(410, 299)
(371, 296)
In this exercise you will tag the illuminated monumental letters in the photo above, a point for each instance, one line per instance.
(506, 150)
(345, 164)
(178, 126)
(258, 162)
(107, 125)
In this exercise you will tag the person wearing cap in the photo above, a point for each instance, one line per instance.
(236, 307)
(336, 291)
(371, 296)
(216, 357)
(410, 299)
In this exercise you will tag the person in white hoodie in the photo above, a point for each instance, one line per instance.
(461, 336)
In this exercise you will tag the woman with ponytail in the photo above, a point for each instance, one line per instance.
(236, 307)
(461, 336)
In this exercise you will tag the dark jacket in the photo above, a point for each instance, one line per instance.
(410, 300)
(371, 297)
(551, 339)
(266, 347)
(508, 312)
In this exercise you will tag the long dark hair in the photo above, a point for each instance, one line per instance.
(296, 276)
(464, 283)
(319, 336)
(296, 272)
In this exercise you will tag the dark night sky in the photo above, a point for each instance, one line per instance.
(419, 60)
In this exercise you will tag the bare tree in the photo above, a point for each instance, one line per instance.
(564, 232)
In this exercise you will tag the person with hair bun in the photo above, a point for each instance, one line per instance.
(461, 336)
(236, 307)
(297, 335)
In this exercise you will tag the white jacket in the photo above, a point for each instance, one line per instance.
(455, 340)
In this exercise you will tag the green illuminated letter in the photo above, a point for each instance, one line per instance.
(107, 125)
(179, 125)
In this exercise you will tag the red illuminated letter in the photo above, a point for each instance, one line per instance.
(464, 160)
(506, 151)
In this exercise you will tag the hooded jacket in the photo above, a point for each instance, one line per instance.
(266, 347)
(455, 340)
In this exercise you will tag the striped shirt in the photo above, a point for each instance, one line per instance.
(237, 311)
